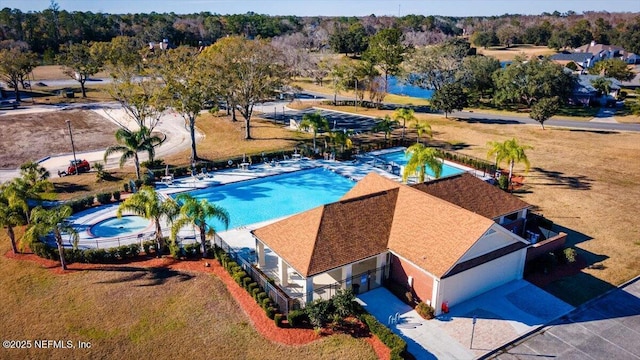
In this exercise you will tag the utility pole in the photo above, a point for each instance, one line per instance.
(73, 147)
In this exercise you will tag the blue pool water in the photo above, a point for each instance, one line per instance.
(398, 88)
(114, 227)
(399, 158)
(257, 200)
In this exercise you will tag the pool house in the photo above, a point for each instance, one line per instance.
(381, 230)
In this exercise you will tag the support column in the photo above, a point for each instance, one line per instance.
(307, 288)
(346, 275)
(381, 260)
(282, 272)
(260, 253)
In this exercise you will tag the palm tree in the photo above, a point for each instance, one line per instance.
(405, 115)
(45, 221)
(342, 138)
(132, 142)
(511, 152)
(419, 158)
(148, 204)
(196, 213)
(36, 176)
(316, 122)
(11, 215)
(422, 127)
(19, 191)
(385, 125)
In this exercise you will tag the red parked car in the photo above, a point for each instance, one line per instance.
(82, 165)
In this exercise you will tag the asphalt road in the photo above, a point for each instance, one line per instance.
(474, 117)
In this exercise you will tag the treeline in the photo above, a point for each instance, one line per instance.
(46, 31)
(559, 32)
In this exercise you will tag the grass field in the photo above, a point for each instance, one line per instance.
(507, 54)
(132, 312)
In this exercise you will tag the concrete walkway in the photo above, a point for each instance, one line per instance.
(503, 314)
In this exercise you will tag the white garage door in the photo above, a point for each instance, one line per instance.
(477, 280)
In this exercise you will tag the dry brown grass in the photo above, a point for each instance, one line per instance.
(131, 312)
(33, 136)
(224, 139)
(55, 72)
(507, 54)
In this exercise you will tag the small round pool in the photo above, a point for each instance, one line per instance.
(126, 225)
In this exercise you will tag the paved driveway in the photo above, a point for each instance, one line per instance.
(606, 328)
(503, 314)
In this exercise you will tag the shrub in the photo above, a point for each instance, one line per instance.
(112, 254)
(148, 180)
(251, 286)
(266, 303)
(503, 182)
(255, 292)
(296, 318)
(125, 187)
(425, 310)
(343, 302)
(138, 183)
(93, 256)
(73, 255)
(319, 312)
(394, 342)
(123, 251)
(239, 276)
(246, 281)
(570, 255)
(192, 250)
(270, 312)
(148, 245)
(116, 195)
(134, 250)
(104, 198)
(261, 296)
(277, 318)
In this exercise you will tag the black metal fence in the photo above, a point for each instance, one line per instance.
(359, 283)
(285, 302)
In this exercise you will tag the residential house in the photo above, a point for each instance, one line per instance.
(443, 246)
(604, 52)
(582, 60)
(584, 93)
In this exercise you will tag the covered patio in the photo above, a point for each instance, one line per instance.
(361, 276)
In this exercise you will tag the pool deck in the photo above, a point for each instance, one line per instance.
(240, 238)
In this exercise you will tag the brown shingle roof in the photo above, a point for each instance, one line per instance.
(432, 233)
(372, 183)
(376, 215)
(333, 235)
(473, 194)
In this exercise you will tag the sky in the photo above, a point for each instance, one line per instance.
(333, 7)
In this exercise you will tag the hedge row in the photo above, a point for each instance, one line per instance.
(92, 256)
(244, 280)
(394, 342)
(471, 162)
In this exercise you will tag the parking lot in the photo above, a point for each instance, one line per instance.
(605, 328)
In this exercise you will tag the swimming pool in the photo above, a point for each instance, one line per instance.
(114, 227)
(399, 158)
(272, 197)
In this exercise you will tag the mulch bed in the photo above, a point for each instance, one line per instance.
(265, 326)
